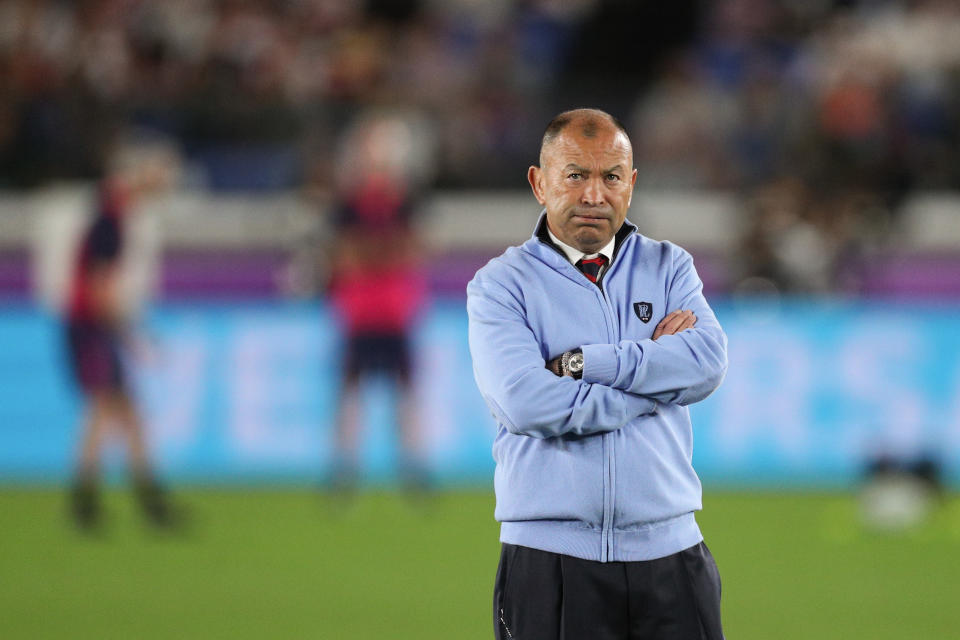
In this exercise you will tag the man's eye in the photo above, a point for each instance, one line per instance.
(574, 176)
(612, 177)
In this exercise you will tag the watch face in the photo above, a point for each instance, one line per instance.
(576, 362)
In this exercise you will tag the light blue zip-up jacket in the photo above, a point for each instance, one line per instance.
(598, 468)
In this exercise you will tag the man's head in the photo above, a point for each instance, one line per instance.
(585, 178)
(144, 165)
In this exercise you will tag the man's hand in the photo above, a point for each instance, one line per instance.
(675, 322)
(555, 367)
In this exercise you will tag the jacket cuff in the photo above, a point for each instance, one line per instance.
(599, 363)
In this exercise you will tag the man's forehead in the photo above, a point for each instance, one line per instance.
(611, 147)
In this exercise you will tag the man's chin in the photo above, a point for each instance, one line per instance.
(590, 240)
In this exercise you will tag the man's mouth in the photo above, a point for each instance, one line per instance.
(589, 218)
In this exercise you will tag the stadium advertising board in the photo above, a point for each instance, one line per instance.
(246, 393)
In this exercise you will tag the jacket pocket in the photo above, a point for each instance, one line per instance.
(565, 472)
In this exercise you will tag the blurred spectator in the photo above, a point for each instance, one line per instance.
(799, 240)
(679, 127)
(99, 334)
(377, 281)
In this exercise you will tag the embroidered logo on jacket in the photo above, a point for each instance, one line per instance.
(644, 311)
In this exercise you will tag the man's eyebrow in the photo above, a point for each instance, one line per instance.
(575, 167)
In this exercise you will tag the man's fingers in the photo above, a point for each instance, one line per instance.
(673, 325)
(661, 326)
(660, 330)
(675, 322)
(689, 321)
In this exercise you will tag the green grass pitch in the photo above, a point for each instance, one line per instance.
(283, 564)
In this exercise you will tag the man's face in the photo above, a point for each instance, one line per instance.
(586, 185)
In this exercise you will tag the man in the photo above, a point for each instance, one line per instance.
(589, 379)
(378, 290)
(96, 329)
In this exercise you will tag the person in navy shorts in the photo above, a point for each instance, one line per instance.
(96, 336)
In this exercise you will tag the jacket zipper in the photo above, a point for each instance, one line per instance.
(611, 454)
(611, 482)
(610, 457)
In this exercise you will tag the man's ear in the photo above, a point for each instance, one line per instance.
(633, 183)
(535, 178)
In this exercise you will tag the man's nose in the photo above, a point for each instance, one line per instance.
(593, 193)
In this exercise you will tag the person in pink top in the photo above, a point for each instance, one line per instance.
(378, 289)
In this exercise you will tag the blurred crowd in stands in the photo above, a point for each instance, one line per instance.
(821, 114)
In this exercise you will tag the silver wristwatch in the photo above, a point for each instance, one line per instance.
(571, 364)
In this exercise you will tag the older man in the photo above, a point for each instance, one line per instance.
(588, 343)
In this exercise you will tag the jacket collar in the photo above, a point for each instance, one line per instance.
(543, 248)
(574, 255)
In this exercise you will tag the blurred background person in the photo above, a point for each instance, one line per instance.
(100, 336)
(377, 280)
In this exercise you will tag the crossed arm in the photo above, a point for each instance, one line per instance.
(521, 394)
(682, 363)
(674, 322)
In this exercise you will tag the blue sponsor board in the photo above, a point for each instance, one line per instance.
(247, 393)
